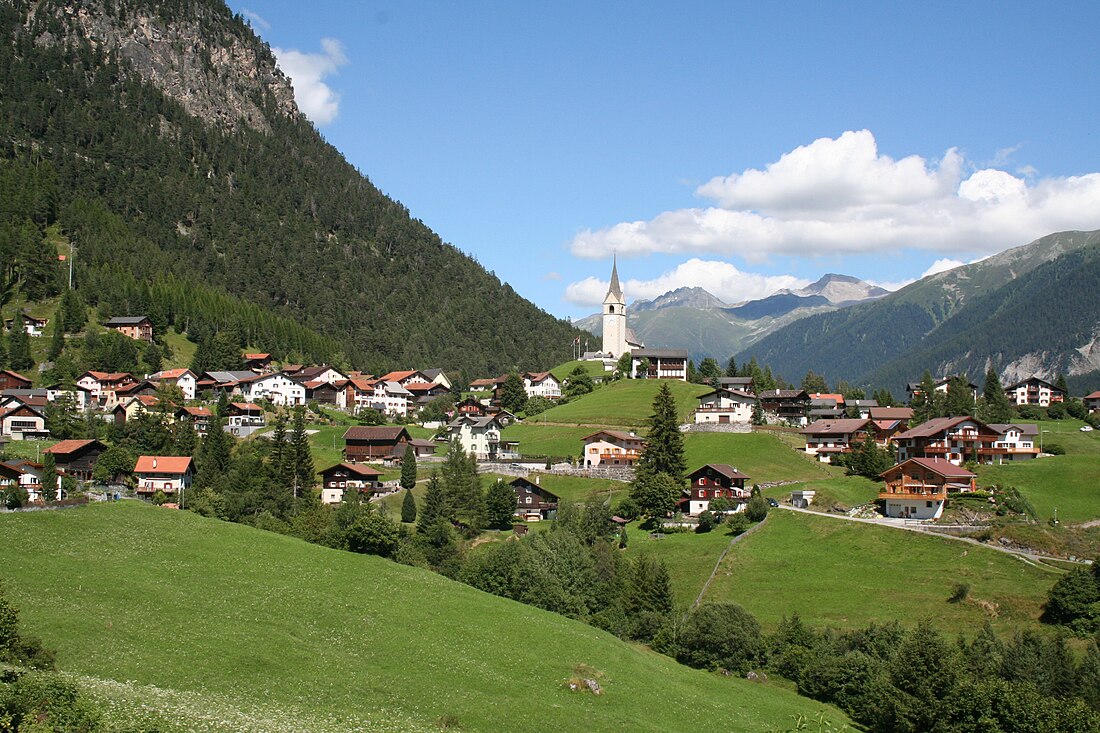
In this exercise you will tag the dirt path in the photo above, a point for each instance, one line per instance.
(1026, 556)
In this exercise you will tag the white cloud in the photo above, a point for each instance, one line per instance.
(942, 265)
(718, 278)
(307, 72)
(840, 196)
(257, 19)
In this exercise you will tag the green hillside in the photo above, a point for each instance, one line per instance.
(224, 615)
(626, 403)
(216, 185)
(847, 574)
(854, 342)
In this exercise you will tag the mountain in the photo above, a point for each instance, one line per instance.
(163, 140)
(697, 320)
(1024, 311)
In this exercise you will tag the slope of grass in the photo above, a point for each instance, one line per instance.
(547, 440)
(226, 613)
(760, 455)
(690, 557)
(594, 368)
(1067, 482)
(849, 491)
(628, 402)
(576, 488)
(183, 350)
(847, 574)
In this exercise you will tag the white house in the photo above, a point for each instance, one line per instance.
(23, 422)
(391, 398)
(480, 437)
(1034, 391)
(185, 379)
(542, 384)
(725, 406)
(661, 363)
(612, 448)
(277, 388)
(170, 474)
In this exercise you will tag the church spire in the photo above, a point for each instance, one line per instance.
(615, 289)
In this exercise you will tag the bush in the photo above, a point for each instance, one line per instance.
(738, 523)
(757, 509)
(706, 523)
(720, 636)
(959, 593)
(1054, 449)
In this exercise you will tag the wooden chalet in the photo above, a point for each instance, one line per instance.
(335, 480)
(139, 328)
(257, 363)
(714, 481)
(76, 458)
(13, 380)
(962, 438)
(785, 405)
(364, 444)
(200, 417)
(826, 438)
(612, 448)
(917, 488)
(533, 502)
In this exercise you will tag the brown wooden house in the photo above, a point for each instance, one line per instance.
(343, 476)
(534, 501)
(139, 328)
(363, 444)
(13, 380)
(77, 458)
(713, 481)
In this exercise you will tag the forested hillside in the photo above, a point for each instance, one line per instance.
(160, 138)
(956, 321)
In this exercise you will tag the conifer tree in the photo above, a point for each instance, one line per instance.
(185, 438)
(408, 468)
(57, 339)
(731, 367)
(994, 406)
(214, 456)
(664, 450)
(434, 506)
(19, 348)
(408, 508)
(924, 401)
(500, 505)
(49, 477)
(301, 456)
(513, 397)
(5, 354)
(279, 451)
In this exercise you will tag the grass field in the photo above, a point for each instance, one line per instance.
(690, 557)
(594, 368)
(227, 618)
(1067, 482)
(547, 440)
(849, 491)
(183, 351)
(628, 402)
(846, 574)
(762, 456)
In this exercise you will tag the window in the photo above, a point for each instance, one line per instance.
(928, 504)
(528, 499)
(702, 493)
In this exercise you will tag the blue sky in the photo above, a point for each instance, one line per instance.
(741, 147)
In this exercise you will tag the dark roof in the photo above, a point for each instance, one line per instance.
(783, 394)
(358, 468)
(522, 482)
(127, 320)
(66, 447)
(891, 413)
(723, 468)
(614, 434)
(941, 466)
(659, 353)
(835, 427)
(937, 425)
(1023, 382)
(382, 433)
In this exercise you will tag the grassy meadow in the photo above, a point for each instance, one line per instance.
(847, 574)
(208, 621)
(760, 455)
(626, 403)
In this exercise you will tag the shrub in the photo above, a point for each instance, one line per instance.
(1054, 449)
(959, 593)
(720, 635)
(706, 522)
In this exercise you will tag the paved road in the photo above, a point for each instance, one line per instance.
(1028, 556)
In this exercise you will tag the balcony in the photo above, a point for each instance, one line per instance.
(630, 456)
(915, 492)
(493, 436)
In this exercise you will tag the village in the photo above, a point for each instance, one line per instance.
(918, 463)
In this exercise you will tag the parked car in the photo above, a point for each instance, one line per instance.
(1086, 428)
(772, 502)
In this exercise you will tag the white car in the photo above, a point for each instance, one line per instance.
(1086, 428)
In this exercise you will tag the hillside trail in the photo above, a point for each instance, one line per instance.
(734, 541)
(1028, 557)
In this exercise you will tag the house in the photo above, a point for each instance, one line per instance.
(424, 392)
(542, 384)
(28, 475)
(103, 385)
(200, 417)
(422, 447)
(825, 406)
(80, 397)
(503, 417)
(437, 376)
(257, 363)
(133, 407)
(785, 405)
(964, 438)
(127, 392)
(31, 325)
(13, 380)
(366, 444)
(905, 414)
(139, 328)
(185, 379)
(802, 498)
(326, 393)
(480, 437)
(320, 374)
(862, 408)
(1092, 402)
(470, 406)
(829, 437)
(917, 488)
(170, 474)
(745, 384)
(612, 448)
(358, 394)
(713, 481)
(76, 458)
(406, 377)
(725, 406)
(487, 385)
(278, 389)
(1034, 391)
(941, 385)
(662, 364)
(534, 502)
(229, 382)
(391, 398)
(24, 422)
(337, 479)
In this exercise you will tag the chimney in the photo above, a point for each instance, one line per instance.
(538, 480)
(154, 462)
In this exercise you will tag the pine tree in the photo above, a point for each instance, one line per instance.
(301, 456)
(5, 353)
(959, 400)
(462, 489)
(214, 456)
(513, 397)
(278, 460)
(49, 477)
(408, 468)
(500, 505)
(19, 347)
(994, 406)
(57, 339)
(710, 371)
(408, 508)
(186, 439)
(731, 367)
(434, 507)
(664, 450)
(924, 400)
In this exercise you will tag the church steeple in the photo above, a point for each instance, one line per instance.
(614, 316)
(615, 289)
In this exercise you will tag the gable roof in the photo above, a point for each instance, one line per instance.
(397, 376)
(127, 320)
(16, 375)
(617, 434)
(1023, 427)
(171, 374)
(783, 394)
(835, 427)
(163, 464)
(937, 425)
(107, 376)
(943, 467)
(728, 391)
(66, 447)
(256, 357)
(532, 486)
(196, 411)
(357, 468)
(246, 406)
(891, 413)
(380, 433)
(723, 468)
